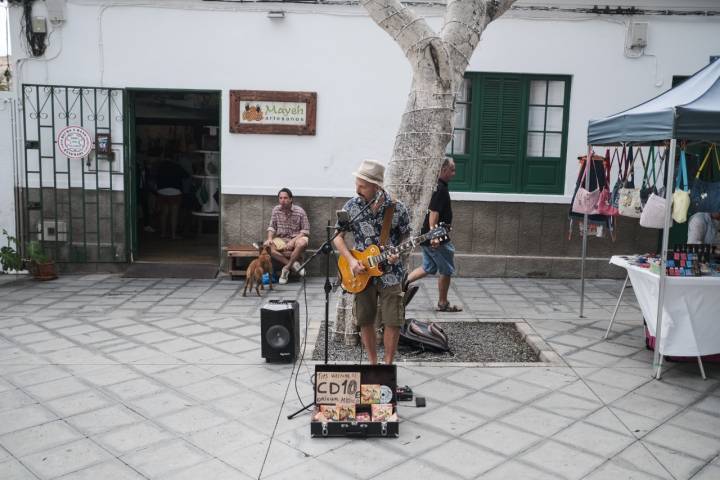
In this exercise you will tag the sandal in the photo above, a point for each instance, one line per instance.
(447, 307)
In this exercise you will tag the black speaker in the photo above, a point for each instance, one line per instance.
(280, 330)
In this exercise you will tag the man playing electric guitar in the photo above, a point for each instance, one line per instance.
(390, 220)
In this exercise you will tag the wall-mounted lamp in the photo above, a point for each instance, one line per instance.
(278, 14)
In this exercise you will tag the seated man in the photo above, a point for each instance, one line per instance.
(287, 234)
(703, 228)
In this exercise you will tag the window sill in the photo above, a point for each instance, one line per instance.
(510, 197)
(346, 193)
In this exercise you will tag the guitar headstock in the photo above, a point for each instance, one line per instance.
(440, 231)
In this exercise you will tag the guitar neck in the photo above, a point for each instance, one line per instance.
(403, 247)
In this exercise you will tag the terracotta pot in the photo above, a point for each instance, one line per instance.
(44, 271)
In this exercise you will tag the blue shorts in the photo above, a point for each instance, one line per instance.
(439, 260)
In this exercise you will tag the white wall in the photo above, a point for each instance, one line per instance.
(604, 80)
(7, 197)
(359, 74)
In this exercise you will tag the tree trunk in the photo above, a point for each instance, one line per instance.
(438, 62)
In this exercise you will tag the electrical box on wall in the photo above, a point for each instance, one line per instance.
(638, 35)
(38, 25)
(55, 11)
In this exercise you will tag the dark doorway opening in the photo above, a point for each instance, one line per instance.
(176, 185)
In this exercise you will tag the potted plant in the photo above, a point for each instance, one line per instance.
(10, 259)
(40, 264)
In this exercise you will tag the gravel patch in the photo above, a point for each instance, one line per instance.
(469, 342)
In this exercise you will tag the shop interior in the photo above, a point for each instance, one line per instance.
(177, 184)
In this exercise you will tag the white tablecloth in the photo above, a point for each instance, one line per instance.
(691, 310)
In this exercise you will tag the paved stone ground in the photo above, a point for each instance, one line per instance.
(105, 377)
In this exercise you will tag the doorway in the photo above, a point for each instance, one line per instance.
(174, 151)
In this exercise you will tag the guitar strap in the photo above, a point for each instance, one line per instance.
(387, 221)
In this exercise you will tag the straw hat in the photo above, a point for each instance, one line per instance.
(371, 171)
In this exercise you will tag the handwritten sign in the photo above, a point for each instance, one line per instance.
(336, 387)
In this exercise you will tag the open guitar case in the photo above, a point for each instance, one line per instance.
(385, 375)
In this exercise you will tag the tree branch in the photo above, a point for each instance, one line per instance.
(465, 20)
(401, 23)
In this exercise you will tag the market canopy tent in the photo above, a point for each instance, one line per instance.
(690, 111)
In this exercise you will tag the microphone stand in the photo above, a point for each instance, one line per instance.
(326, 248)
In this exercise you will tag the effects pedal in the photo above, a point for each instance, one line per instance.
(403, 394)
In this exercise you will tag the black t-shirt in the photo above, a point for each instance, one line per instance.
(440, 202)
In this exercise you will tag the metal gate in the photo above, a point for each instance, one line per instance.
(75, 207)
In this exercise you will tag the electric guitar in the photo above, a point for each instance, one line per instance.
(373, 259)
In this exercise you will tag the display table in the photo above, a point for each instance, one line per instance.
(691, 310)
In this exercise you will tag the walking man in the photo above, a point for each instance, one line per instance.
(439, 255)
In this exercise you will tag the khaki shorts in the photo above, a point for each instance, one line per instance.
(391, 309)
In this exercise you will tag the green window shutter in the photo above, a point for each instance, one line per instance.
(463, 180)
(501, 153)
(500, 134)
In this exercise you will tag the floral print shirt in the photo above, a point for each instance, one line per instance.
(367, 227)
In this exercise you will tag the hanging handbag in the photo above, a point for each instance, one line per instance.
(649, 169)
(653, 213)
(586, 202)
(704, 195)
(681, 197)
(662, 171)
(605, 206)
(630, 204)
(615, 195)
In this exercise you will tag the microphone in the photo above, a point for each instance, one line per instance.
(343, 218)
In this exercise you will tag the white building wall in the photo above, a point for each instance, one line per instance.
(604, 79)
(7, 166)
(359, 74)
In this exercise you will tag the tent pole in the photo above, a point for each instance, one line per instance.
(588, 161)
(663, 256)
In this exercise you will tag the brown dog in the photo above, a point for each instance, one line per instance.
(255, 270)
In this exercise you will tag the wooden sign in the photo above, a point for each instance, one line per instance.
(336, 387)
(259, 111)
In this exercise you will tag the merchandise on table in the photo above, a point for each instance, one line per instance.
(689, 260)
(684, 260)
